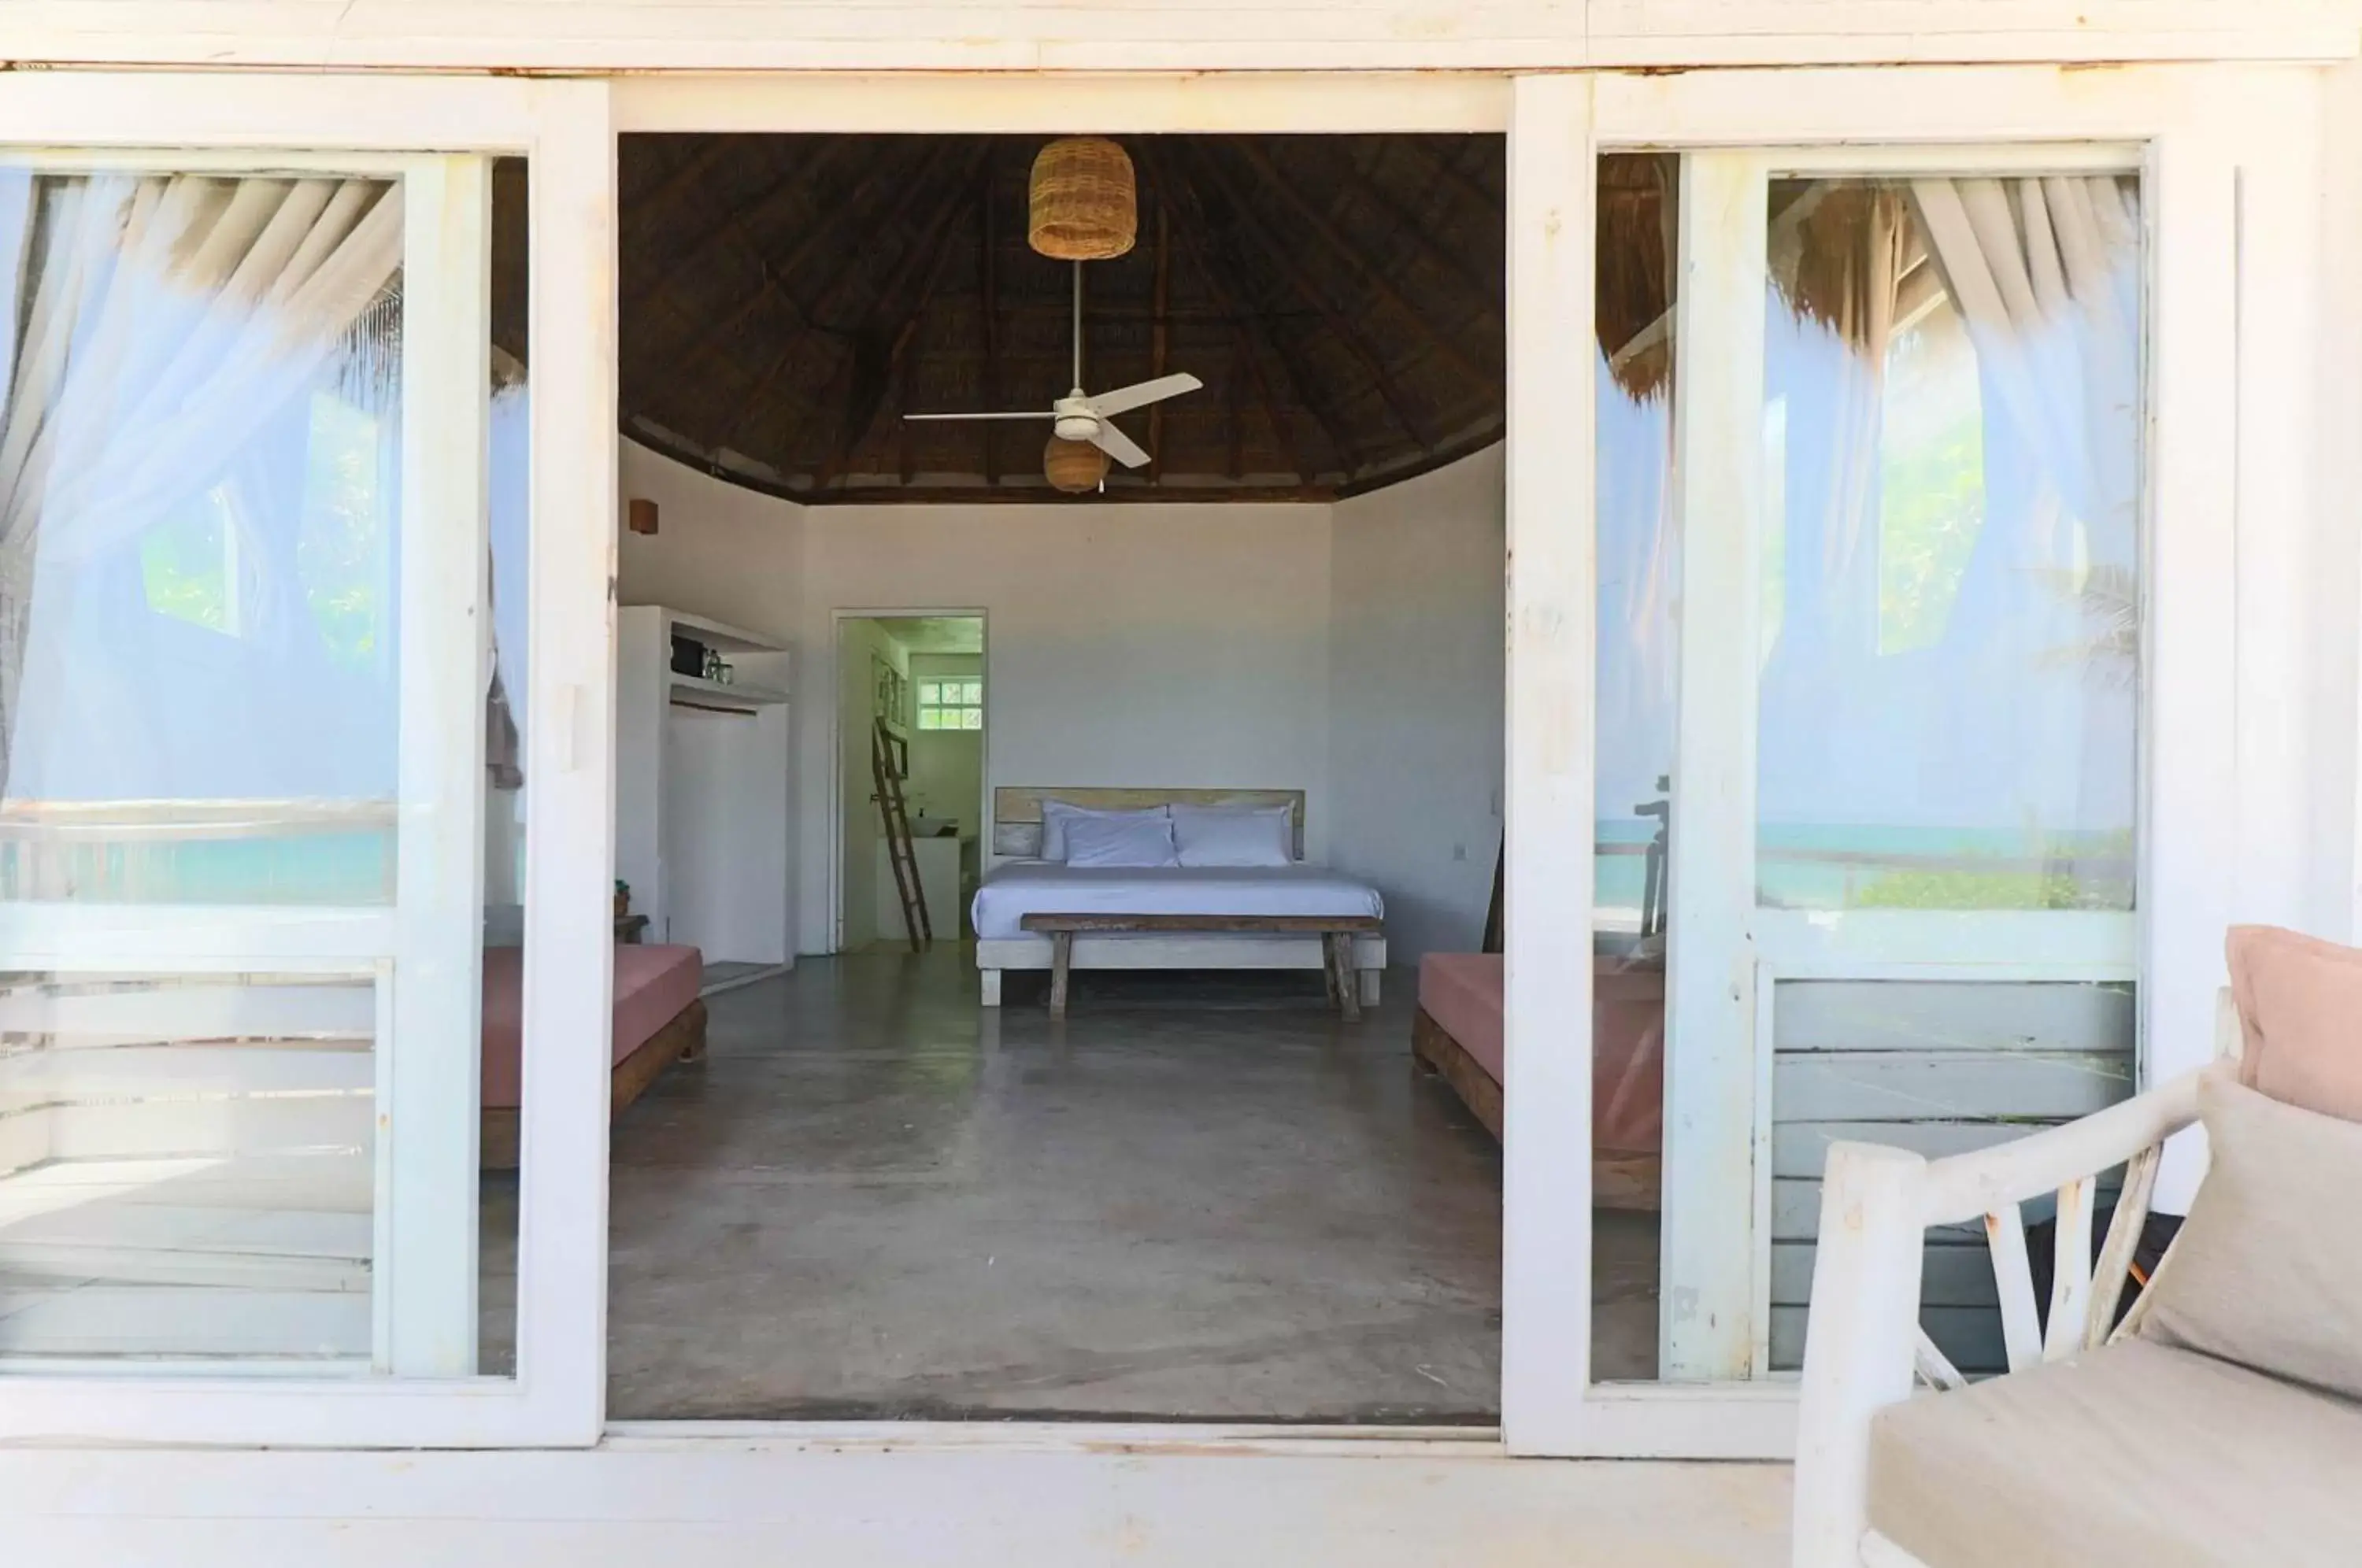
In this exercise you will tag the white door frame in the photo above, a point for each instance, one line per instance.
(2221, 145)
(397, 126)
(2205, 126)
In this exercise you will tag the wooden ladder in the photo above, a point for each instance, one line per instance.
(899, 848)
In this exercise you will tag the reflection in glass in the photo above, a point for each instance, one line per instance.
(1639, 580)
(1952, 621)
(199, 495)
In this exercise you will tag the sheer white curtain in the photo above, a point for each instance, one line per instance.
(2044, 274)
(157, 325)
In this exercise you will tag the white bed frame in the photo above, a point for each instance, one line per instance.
(1017, 834)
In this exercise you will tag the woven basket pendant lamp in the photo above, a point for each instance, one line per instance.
(1081, 201)
(1074, 467)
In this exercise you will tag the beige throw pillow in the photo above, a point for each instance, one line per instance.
(2268, 1270)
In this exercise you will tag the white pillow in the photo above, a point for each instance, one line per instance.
(1138, 841)
(1234, 835)
(1057, 815)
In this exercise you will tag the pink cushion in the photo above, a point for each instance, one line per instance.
(1462, 992)
(653, 986)
(2301, 1015)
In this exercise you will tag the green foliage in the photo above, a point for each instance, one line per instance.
(1932, 506)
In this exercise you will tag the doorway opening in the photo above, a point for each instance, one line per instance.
(913, 715)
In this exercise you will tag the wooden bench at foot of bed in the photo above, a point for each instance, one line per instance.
(1336, 933)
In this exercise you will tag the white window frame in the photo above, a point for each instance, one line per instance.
(2220, 146)
(434, 133)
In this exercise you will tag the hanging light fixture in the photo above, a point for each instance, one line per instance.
(1074, 467)
(1081, 202)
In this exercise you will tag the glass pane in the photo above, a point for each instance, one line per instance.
(1639, 589)
(199, 502)
(507, 784)
(971, 692)
(931, 692)
(1951, 618)
(972, 719)
(187, 1166)
(1913, 1063)
(931, 718)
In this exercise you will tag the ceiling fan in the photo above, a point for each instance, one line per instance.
(1080, 416)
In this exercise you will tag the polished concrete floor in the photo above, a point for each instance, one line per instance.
(1200, 1196)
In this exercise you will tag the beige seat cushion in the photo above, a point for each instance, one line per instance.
(2301, 1016)
(2268, 1269)
(2137, 1453)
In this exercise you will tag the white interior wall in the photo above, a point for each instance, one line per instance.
(1418, 639)
(720, 551)
(1183, 644)
(1353, 652)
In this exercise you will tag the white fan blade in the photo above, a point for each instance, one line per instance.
(1046, 415)
(1142, 393)
(1119, 445)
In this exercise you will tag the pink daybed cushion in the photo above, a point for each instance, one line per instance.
(653, 985)
(2301, 1011)
(1462, 992)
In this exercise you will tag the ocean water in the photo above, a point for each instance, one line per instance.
(1857, 866)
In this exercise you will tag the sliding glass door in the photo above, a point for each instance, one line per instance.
(251, 716)
(241, 764)
(1903, 873)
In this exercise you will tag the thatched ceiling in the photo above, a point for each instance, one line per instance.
(786, 298)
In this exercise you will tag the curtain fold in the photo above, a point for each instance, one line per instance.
(161, 324)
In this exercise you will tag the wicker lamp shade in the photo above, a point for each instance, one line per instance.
(1074, 466)
(1082, 203)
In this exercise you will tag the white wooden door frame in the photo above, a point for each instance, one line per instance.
(2200, 123)
(2197, 129)
(432, 133)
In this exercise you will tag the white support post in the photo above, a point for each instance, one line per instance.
(1860, 1343)
(429, 1071)
(1546, 1218)
(2190, 720)
(1706, 1294)
(570, 777)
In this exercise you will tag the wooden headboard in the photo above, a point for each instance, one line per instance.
(1017, 809)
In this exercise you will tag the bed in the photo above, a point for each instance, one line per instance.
(658, 1020)
(1024, 885)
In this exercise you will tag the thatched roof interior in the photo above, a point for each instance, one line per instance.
(786, 298)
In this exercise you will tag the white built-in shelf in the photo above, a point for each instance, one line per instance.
(737, 694)
(721, 636)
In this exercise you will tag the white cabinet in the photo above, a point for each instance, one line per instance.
(702, 786)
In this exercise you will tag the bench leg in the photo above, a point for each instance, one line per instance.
(1370, 979)
(1062, 958)
(992, 987)
(1343, 983)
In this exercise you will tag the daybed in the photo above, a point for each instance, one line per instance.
(658, 1020)
(1457, 1032)
(2220, 1422)
(1027, 884)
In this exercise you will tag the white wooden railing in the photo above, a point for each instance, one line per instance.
(1864, 1347)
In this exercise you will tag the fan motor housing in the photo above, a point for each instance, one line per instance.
(1076, 426)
